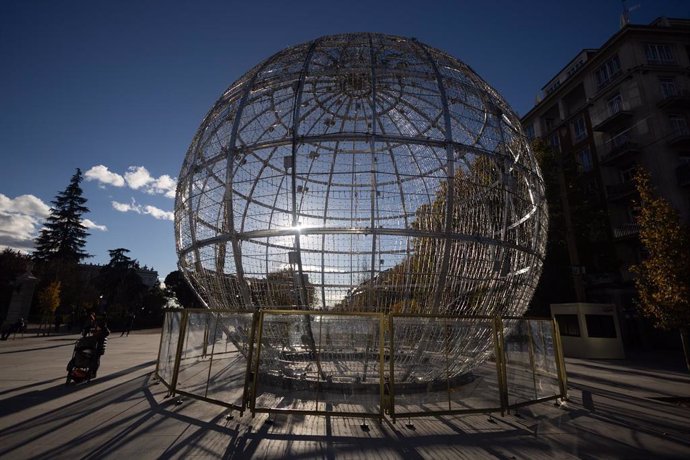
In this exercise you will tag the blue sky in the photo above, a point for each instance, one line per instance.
(118, 88)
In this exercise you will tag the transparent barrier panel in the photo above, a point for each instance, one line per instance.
(230, 350)
(546, 369)
(320, 362)
(195, 356)
(443, 364)
(519, 372)
(419, 353)
(166, 357)
(474, 377)
(350, 357)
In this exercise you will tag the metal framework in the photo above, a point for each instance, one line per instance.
(364, 173)
(199, 358)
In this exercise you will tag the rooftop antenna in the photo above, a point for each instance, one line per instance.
(625, 15)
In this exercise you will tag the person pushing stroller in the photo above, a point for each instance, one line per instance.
(86, 358)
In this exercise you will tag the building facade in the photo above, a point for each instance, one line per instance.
(611, 110)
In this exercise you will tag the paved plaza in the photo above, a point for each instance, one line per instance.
(636, 408)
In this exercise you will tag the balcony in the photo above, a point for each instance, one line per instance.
(615, 114)
(620, 150)
(626, 231)
(683, 175)
(614, 120)
(675, 99)
(679, 139)
(620, 191)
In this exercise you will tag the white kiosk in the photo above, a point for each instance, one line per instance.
(589, 330)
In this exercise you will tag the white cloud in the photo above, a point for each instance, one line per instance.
(122, 207)
(159, 213)
(165, 185)
(101, 174)
(145, 210)
(20, 220)
(88, 223)
(136, 178)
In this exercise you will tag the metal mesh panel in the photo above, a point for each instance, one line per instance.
(168, 346)
(317, 362)
(364, 173)
(448, 344)
(545, 364)
(229, 351)
(359, 364)
(195, 354)
(521, 379)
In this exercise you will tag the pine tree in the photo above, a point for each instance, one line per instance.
(663, 277)
(63, 237)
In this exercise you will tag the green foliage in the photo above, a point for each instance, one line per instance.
(663, 277)
(49, 298)
(574, 206)
(63, 237)
(151, 313)
(119, 283)
(178, 286)
(281, 289)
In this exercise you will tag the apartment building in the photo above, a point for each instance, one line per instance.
(612, 109)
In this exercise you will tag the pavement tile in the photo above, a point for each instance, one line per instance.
(611, 413)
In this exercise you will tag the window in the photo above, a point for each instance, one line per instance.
(553, 87)
(679, 125)
(668, 87)
(620, 139)
(659, 54)
(584, 159)
(555, 142)
(574, 68)
(628, 174)
(568, 325)
(529, 131)
(580, 129)
(601, 326)
(614, 104)
(607, 71)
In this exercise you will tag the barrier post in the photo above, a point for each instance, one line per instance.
(178, 353)
(160, 345)
(250, 356)
(499, 351)
(560, 360)
(255, 376)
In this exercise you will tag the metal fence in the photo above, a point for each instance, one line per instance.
(359, 364)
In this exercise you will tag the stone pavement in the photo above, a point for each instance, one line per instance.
(637, 408)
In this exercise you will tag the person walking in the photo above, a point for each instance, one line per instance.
(129, 323)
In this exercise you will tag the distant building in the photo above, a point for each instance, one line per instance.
(612, 109)
(88, 272)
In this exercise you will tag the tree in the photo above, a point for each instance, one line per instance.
(60, 244)
(151, 313)
(176, 283)
(663, 277)
(119, 283)
(48, 301)
(578, 234)
(64, 235)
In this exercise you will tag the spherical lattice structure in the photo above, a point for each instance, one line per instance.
(363, 173)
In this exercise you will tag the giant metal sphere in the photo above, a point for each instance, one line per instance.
(366, 173)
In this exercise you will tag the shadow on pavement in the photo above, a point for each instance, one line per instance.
(32, 398)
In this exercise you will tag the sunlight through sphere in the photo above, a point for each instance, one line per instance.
(364, 173)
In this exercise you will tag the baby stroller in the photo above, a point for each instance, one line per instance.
(85, 360)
